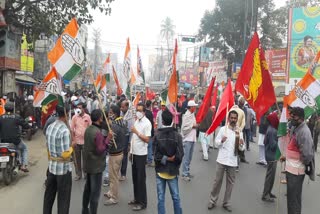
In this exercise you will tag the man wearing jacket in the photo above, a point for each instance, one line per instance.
(299, 159)
(118, 133)
(94, 155)
(271, 145)
(168, 154)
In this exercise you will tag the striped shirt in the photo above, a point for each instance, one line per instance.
(58, 141)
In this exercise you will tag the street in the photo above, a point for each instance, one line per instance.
(25, 195)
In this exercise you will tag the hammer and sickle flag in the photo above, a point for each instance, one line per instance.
(254, 81)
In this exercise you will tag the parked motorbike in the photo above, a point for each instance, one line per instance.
(9, 162)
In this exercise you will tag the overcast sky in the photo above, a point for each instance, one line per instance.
(140, 20)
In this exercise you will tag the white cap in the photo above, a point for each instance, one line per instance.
(63, 93)
(73, 98)
(30, 97)
(192, 103)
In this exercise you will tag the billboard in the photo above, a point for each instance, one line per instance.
(218, 69)
(303, 41)
(9, 50)
(277, 61)
(236, 67)
(204, 56)
(27, 57)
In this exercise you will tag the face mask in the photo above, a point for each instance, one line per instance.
(76, 102)
(156, 107)
(139, 115)
(77, 111)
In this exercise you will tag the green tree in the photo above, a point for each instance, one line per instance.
(167, 32)
(50, 16)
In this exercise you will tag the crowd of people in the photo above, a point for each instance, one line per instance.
(99, 137)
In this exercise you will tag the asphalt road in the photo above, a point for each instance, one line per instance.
(25, 195)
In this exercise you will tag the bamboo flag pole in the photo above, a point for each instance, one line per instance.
(100, 107)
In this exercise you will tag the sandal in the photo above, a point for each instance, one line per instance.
(283, 181)
(132, 202)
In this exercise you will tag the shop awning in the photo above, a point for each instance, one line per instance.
(25, 79)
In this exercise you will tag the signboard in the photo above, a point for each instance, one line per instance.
(277, 61)
(27, 57)
(204, 57)
(303, 41)
(217, 69)
(189, 76)
(236, 67)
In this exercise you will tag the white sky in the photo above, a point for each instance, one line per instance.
(140, 20)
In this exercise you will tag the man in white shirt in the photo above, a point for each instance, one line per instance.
(229, 142)
(141, 132)
(189, 137)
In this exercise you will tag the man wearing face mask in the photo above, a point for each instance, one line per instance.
(118, 128)
(94, 155)
(141, 133)
(189, 136)
(80, 121)
(299, 159)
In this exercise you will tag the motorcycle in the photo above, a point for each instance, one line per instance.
(29, 132)
(9, 162)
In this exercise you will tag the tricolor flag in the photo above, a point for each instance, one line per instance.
(140, 68)
(49, 89)
(172, 96)
(254, 81)
(306, 95)
(115, 77)
(137, 99)
(67, 56)
(104, 71)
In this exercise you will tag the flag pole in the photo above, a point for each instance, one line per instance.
(100, 107)
(225, 131)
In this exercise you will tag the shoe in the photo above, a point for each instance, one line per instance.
(211, 206)
(271, 200)
(283, 181)
(244, 161)
(227, 208)
(107, 194)
(122, 178)
(138, 207)
(237, 169)
(248, 149)
(77, 178)
(318, 174)
(132, 202)
(105, 183)
(272, 195)
(205, 159)
(150, 164)
(24, 169)
(110, 202)
(186, 178)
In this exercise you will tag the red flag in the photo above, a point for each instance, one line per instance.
(173, 88)
(214, 101)
(203, 110)
(254, 81)
(227, 100)
(47, 110)
(115, 77)
(181, 100)
(150, 94)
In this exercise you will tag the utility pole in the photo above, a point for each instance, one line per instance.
(96, 40)
(245, 28)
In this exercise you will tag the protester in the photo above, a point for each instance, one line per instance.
(168, 154)
(59, 179)
(262, 133)
(80, 121)
(149, 115)
(299, 159)
(117, 136)
(128, 118)
(189, 137)
(94, 154)
(271, 145)
(159, 118)
(229, 141)
(203, 138)
(141, 133)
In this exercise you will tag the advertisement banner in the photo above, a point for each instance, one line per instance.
(189, 76)
(277, 61)
(27, 57)
(204, 57)
(217, 69)
(303, 41)
(236, 67)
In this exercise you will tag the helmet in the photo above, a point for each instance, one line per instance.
(9, 106)
(30, 97)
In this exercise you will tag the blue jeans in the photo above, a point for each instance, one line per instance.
(174, 191)
(188, 152)
(23, 152)
(150, 152)
(91, 193)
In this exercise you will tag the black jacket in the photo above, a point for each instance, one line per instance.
(167, 142)
(119, 129)
(149, 115)
(9, 128)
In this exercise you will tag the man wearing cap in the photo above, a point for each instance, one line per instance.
(189, 135)
(159, 117)
(299, 159)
